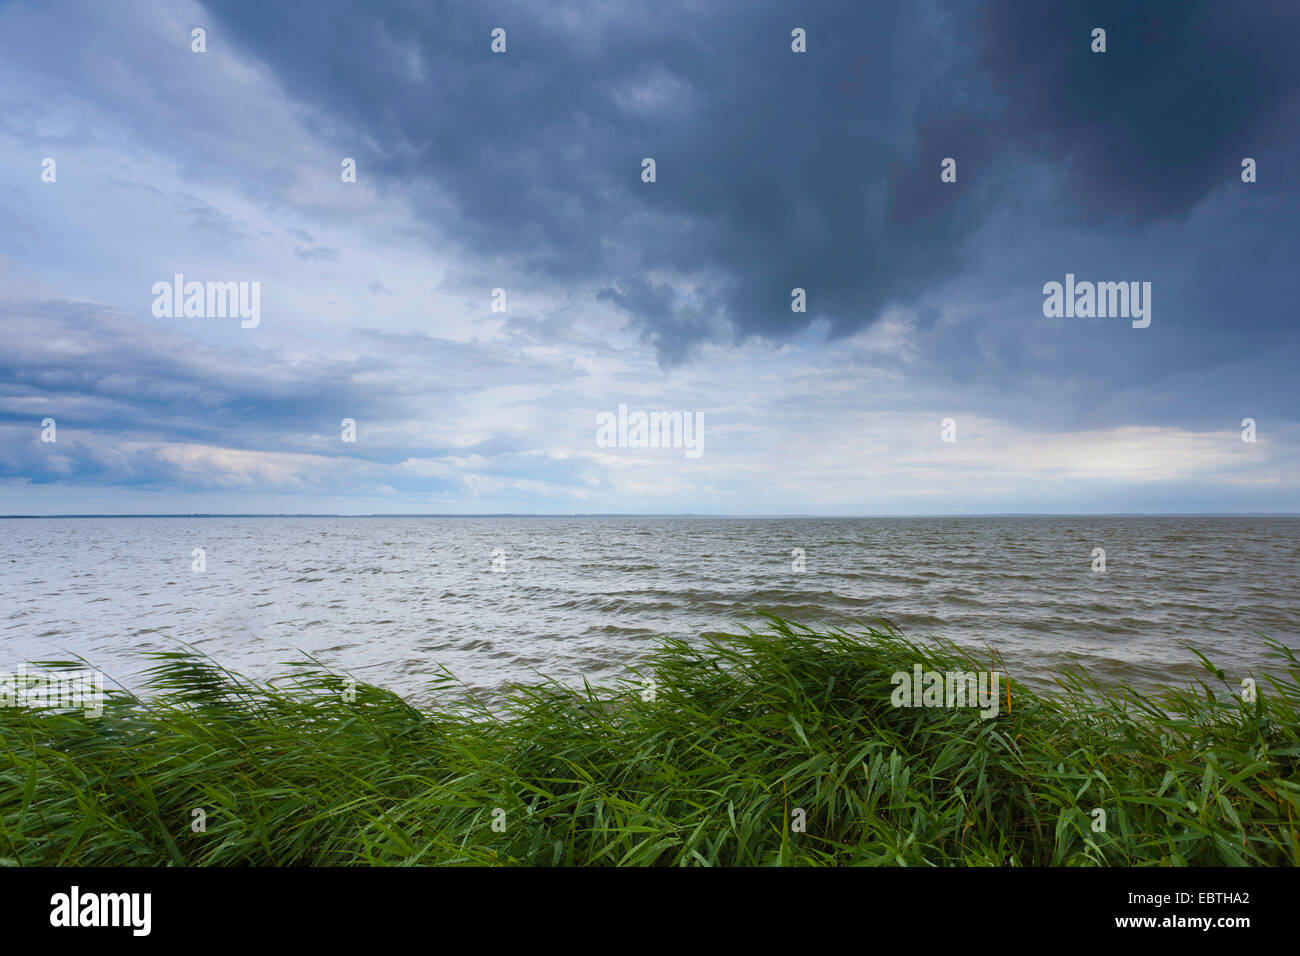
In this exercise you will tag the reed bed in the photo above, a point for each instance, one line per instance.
(743, 731)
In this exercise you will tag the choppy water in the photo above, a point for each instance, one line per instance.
(389, 599)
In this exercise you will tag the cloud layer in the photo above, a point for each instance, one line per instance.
(522, 171)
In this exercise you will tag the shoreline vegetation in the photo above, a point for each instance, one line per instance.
(781, 746)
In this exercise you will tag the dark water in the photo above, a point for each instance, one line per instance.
(389, 599)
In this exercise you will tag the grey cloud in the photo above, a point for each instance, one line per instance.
(778, 170)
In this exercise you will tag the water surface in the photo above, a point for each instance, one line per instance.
(390, 599)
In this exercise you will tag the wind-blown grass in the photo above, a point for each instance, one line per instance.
(744, 730)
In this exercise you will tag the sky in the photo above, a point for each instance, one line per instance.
(523, 170)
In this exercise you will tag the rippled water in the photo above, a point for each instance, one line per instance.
(390, 599)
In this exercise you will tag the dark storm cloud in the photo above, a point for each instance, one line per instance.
(659, 311)
(772, 168)
(1185, 89)
(778, 170)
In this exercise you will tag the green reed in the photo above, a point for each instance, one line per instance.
(743, 730)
